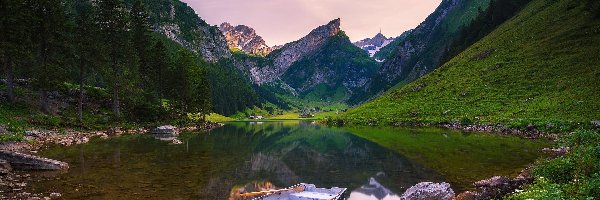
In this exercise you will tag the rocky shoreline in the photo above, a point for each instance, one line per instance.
(14, 180)
(530, 132)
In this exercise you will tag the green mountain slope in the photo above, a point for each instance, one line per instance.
(419, 52)
(332, 72)
(540, 67)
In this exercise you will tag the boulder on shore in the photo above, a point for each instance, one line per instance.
(429, 191)
(23, 161)
(166, 129)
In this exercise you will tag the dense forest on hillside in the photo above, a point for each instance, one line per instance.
(104, 57)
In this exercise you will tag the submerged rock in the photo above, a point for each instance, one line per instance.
(23, 161)
(492, 182)
(429, 191)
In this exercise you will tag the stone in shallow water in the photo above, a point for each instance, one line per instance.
(23, 161)
(492, 182)
(166, 129)
(429, 191)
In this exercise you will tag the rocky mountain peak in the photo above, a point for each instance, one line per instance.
(225, 27)
(330, 29)
(244, 38)
(291, 52)
(374, 44)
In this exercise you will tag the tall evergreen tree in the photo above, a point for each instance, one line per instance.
(157, 67)
(87, 49)
(13, 39)
(141, 40)
(49, 24)
(113, 20)
(190, 88)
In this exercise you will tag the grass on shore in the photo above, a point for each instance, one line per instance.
(296, 116)
(214, 117)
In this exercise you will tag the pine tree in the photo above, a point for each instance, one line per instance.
(141, 40)
(190, 88)
(87, 49)
(49, 24)
(14, 39)
(158, 65)
(113, 21)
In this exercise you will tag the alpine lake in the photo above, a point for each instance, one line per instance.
(373, 163)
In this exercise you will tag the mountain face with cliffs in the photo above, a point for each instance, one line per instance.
(316, 66)
(280, 60)
(244, 38)
(180, 23)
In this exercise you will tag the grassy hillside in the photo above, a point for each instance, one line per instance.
(540, 67)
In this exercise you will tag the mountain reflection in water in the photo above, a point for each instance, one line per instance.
(239, 157)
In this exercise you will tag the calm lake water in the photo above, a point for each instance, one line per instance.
(246, 156)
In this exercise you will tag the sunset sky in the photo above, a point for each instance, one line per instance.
(282, 21)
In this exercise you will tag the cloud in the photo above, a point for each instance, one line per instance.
(282, 21)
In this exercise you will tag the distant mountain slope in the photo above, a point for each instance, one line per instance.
(385, 52)
(420, 51)
(244, 38)
(540, 67)
(180, 23)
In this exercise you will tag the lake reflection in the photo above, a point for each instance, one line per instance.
(239, 157)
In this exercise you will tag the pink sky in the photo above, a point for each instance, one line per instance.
(282, 21)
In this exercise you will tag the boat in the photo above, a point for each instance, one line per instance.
(302, 191)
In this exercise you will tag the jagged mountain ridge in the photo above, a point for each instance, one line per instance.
(316, 65)
(245, 38)
(280, 60)
(374, 44)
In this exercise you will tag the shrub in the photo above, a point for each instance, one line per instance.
(560, 170)
(575, 175)
(541, 189)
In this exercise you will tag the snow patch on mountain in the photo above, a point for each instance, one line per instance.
(373, 45)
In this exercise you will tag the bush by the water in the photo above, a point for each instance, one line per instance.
(575, 175)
